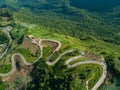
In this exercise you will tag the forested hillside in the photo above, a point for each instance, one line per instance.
(96, 23)
(63, 15)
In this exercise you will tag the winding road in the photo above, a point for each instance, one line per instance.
(39, 43)
(10, 41)
(102, 64)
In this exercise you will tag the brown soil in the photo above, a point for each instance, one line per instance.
(51, 44)
(31, 46)
(93, 56)
(24, 71)
(4, 18)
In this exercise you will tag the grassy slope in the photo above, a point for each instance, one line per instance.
(92, 45)
(66, 40)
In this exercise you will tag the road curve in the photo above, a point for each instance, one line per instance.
(102, 64)
(59, 44)
(39, 43)
(55, 61)
(10, 41)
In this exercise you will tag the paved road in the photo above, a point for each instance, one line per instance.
(39, 43)
(59, 44)
(87, 86)
(74, 58)
(10, 41)
(55, 61)
(102, 64)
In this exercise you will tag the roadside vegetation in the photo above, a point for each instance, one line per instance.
(84, 30)
(3, 37)
(60, 77)
(5, 68)
(29, 57)
(78, 60)
(5, 17)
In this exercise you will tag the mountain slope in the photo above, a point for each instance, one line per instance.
(61, 15)
(96, 23)
(92, 5)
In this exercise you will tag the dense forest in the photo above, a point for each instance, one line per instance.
(3, 38)
(60, 15)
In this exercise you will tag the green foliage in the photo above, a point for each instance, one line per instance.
(3, 38)
(78, 60)
(60, 19)
(18, 32)
(5, 13)
(5, 68)
(59, 77)
(28, 55)
(2, 85)
(6, 17)
(47, 51)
